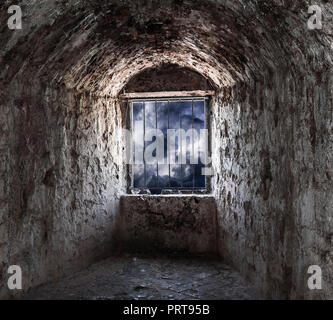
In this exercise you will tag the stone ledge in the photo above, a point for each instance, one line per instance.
(168, 222)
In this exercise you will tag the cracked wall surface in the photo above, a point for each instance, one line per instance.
(168, 223)
(66, 183)
(275, 217)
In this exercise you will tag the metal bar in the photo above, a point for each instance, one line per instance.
(133, 145)
(156, 141)
(144, 142)
(193, 166)
(206, 117)
(181, 145)
(168, 145)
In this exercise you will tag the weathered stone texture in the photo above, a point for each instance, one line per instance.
(158, 278)
(167, 78)
(168, 223)
(61, 157)
(66, 180)
(275, 218)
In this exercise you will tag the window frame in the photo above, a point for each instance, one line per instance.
(207, 125)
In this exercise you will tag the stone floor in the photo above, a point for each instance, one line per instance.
(142, 278)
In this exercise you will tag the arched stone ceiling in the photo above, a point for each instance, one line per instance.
(97, 46)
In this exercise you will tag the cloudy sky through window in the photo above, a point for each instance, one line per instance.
(164, 115)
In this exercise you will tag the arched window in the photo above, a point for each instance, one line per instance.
(169, 131)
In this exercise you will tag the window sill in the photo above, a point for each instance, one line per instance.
(207, 195)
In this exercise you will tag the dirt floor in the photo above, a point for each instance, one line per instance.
(140, 278)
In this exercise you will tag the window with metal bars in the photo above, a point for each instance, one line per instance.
(169, 144)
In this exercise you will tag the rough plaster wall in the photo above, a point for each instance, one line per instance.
(273, 165)
(262, 48)
(146, 223)
(67, 176)
(167, 78)
(4, 185)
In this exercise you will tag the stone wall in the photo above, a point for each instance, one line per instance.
(61, 162)
(65, 181)
(168, 224)
(274, 183)
(167, 77)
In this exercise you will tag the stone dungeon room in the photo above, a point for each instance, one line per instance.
(166, 150)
